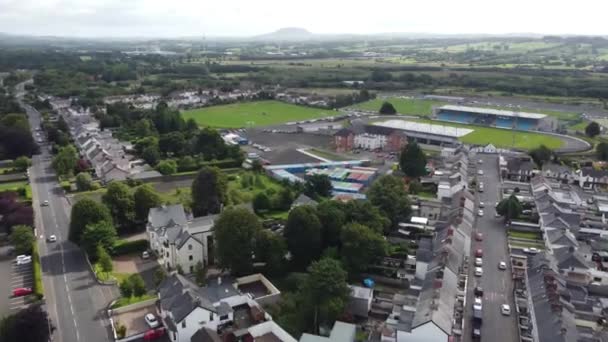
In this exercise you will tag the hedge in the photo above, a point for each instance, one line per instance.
(222, 164)
(38, 288)
(122, 247)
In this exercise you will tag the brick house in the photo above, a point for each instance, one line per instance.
(344, 140)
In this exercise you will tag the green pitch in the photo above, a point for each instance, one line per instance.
(403, 105)
(260, 113)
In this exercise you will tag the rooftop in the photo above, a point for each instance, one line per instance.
(491, 111)
(428, 128)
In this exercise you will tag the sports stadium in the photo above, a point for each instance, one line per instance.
(496, 118)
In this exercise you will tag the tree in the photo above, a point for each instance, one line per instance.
(145, 198)
(256, 166)
(119, 199)
(104, 260)
(144, 128)
(22, 163)
(167, 167)
(27, 325)
(200, 274)
(65, 160)
(234, 233)
(363, 212)
(151, 155)
(360, 247)
(84, 181)
(23, 239)
(602, 151)
(270, 248)
(261, 202)
(303, 235)
(86, 212)
(389, 195)
(592, 129)
(159, 276)
(387, 108)
(126, 288)
(208, 191)
(318, 186)
(413, 161)
(510, 208)
(332, 217)
(541, 155)
(98, 234)
(327, 291)
(173, 143)
(137, 284)
(284, 199)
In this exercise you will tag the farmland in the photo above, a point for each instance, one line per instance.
(249, 114)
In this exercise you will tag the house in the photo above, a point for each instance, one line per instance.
(218, 311)
(177, 241)
(360, 301)
(303, 200)
(344, 140)
(560, 173)
(518, 169)
(369, 137)
(341, 332)
(590, 178)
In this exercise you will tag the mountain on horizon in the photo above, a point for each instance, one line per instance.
(287, 33)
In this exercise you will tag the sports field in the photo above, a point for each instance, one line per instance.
(247, 114)
(503, 137)
(405, 106)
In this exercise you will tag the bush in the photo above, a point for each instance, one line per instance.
(167, 167)
(38, 288)
(66, 185)
(121, 330)
(122, 247)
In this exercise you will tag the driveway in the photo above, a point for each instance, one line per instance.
(133, 263)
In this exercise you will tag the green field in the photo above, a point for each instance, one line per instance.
(403, 105)
(579, 126)
(260, 113)
(502, 137)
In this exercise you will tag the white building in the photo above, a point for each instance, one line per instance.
(369, 141)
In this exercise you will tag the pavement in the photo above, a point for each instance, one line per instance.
(76, 302)
(497, 285)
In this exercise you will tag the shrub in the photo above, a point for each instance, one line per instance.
(121, 330)
(66, 185)
(126, 288)
(167, 167)
(122, 247)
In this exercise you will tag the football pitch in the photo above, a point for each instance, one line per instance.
(248, 114)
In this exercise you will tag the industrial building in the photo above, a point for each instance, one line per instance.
(496, 118)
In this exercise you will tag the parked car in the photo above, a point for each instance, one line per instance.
(482, 205)
(478, 271)
(531, 250)
(145, 255)
(52, 238)
(45, 203)
(477, 304)
(480, 161)
(480, 212)
(479, 236)
(151, 320)
(480, 172)
(479, 253)
(154, 334)
(478, 262)
(478, 291)
(22, 291)
(502, 265)
(23, 259)
(505, 309)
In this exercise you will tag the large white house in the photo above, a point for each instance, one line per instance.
(178, 241)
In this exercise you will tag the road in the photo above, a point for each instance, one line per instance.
(75, 301)
(497, 285)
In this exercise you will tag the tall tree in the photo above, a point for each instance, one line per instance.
(509, 208)
(86, 212)
(389, 195)
(104, 260)
(98, 234)
(208, 191)
(28, 325)
(119, 199)
(84, 181)
(261, 202)
(332, 217)
(234, 234)
(145, 198)
(303, 235)
(22, 163)
(363, 212)
(387, 108)
(541, 155)
(413, 161)
(270, 248)
(592, 129)
(360, 247)
(22, 238)
(65, 160)
(318, 186)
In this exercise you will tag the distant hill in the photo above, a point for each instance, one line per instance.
(287, 33)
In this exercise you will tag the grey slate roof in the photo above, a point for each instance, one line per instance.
(520, 165)
(205, 335)
(424, 253)
(168, 215)
(304, 200)
(561, 238)
(568, 257)
(591, 172)
(435, 303)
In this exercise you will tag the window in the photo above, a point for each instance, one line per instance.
(191, 269)
(190, 258)
(189, 247)
(598, 279)
(167, 254)
(223, 317)
(211, 316)
(184, 323)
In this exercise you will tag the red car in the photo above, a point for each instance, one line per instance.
(478, 253)
(479, 237)
(153, 334)
(22, 291)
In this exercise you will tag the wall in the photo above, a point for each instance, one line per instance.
(184, 253)
(193, 324)
(132, 307)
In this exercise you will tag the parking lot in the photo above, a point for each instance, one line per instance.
(12, 276)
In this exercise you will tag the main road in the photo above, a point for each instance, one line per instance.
(74, 300)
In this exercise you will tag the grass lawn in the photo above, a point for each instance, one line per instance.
(103, 276)
(327, 155)
(260, 113)
(245, 185)
(579, 126)
(524, 235)
(502, 137)
(12, 185)
(94, 195)
(403, 105)
(518, 244)
(122, 301)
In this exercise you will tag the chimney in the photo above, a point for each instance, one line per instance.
(219, 280)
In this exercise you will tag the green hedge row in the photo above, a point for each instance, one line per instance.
(122, 247)
(38, 288)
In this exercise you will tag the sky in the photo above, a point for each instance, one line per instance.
(182, 18)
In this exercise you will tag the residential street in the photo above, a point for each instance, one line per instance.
(497, 284)
(74, 300)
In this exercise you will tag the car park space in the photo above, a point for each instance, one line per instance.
(21, 284)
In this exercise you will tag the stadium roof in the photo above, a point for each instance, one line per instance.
(428, 128)
(498, 112)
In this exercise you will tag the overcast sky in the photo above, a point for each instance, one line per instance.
(170, 18)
